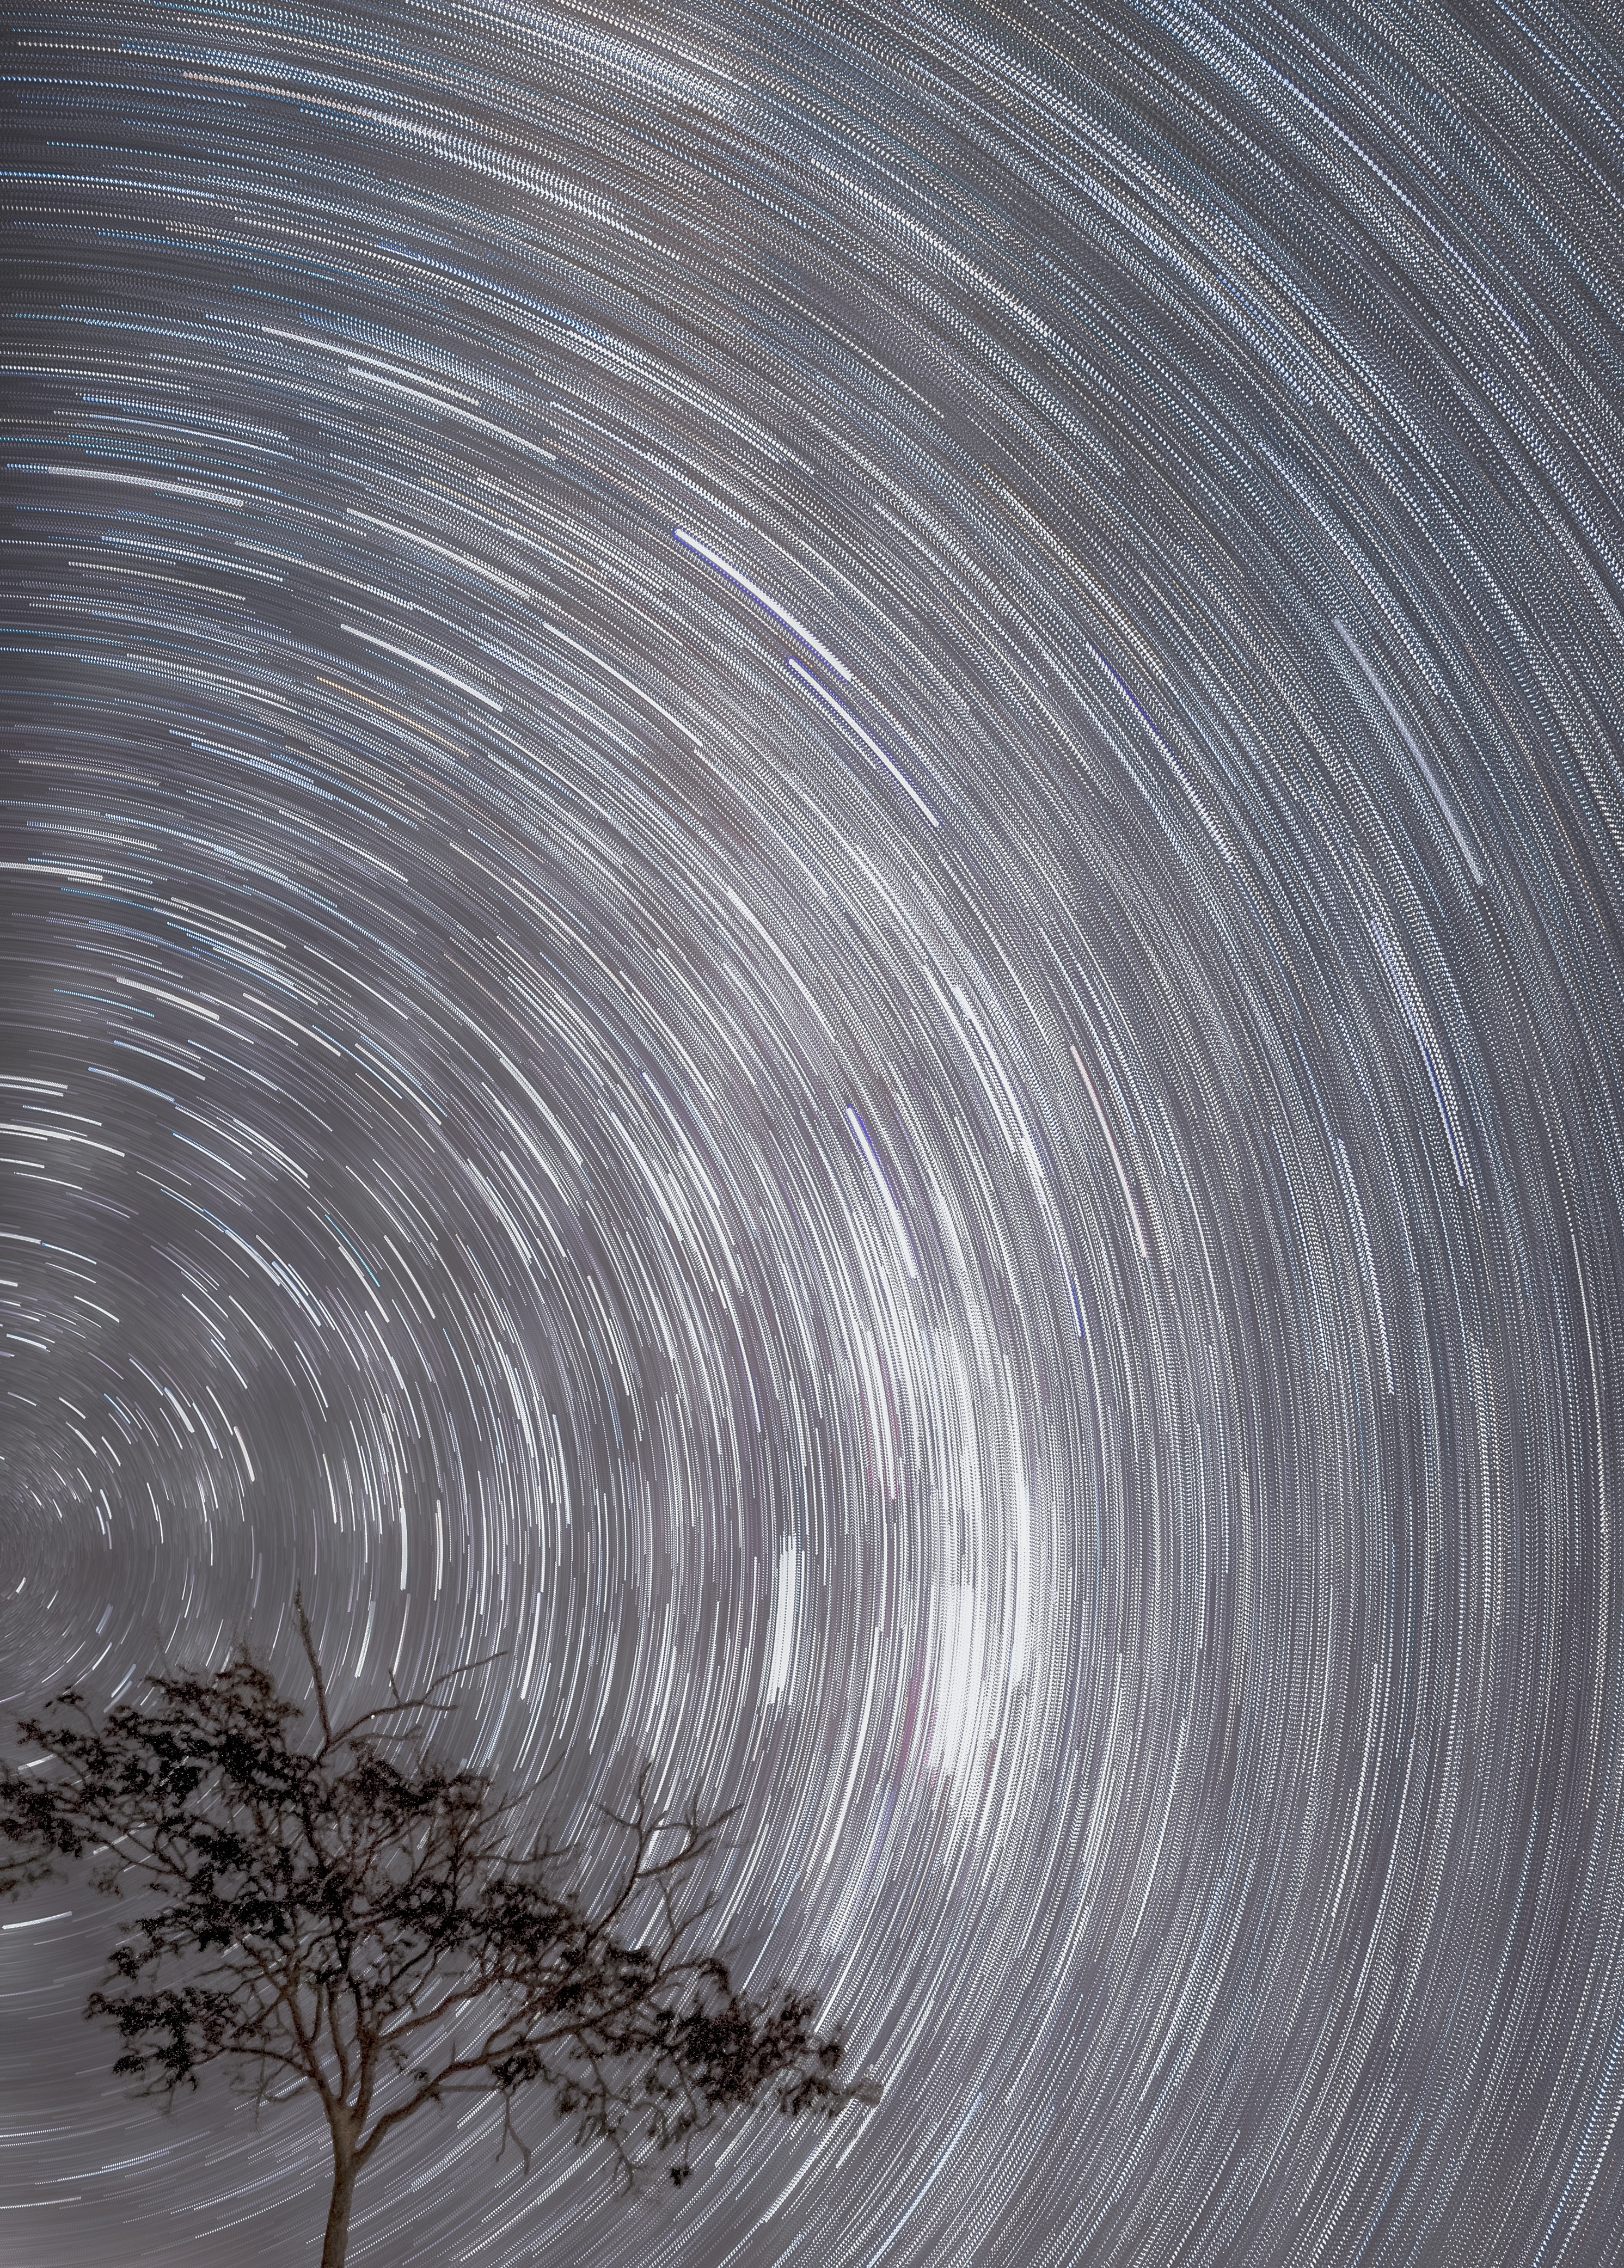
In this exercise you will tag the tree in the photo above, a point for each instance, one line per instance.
(353, 1916)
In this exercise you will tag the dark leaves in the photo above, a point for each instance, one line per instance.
(328, 1914)
(171, 2032)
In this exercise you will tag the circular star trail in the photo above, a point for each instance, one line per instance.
(811, 880)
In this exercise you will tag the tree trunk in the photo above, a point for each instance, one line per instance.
(336, 2241)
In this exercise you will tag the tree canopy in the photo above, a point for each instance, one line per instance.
(331, 1905)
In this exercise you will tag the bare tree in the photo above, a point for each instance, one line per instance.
(354, 1917)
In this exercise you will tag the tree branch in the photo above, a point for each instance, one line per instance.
(368, 1900)
(314, 1659)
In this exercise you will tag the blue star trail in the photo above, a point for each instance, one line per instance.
(812, 833)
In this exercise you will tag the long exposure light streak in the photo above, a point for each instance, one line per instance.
(814, 910)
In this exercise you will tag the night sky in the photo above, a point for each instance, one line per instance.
(814, 901)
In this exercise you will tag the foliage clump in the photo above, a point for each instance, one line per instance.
(350, 1914)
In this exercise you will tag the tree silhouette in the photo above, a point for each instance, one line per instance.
(354, 1916)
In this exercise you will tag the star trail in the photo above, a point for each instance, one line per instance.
(814, 905)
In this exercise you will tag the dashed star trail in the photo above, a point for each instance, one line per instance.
(814, 908)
